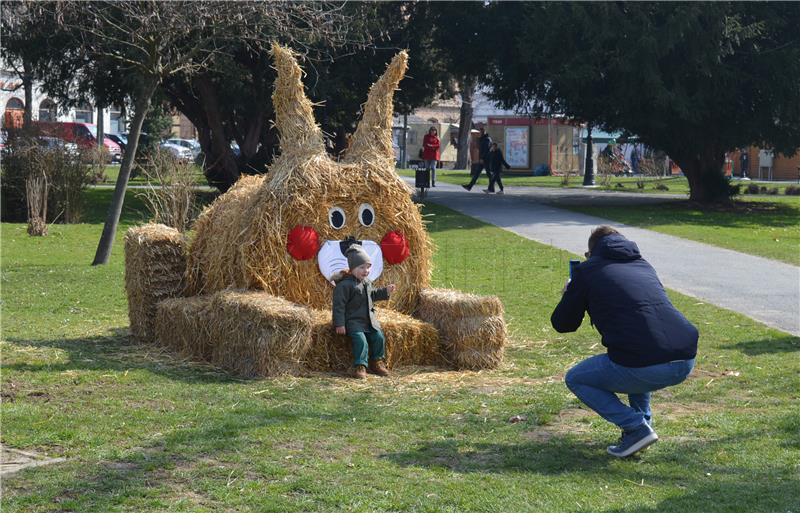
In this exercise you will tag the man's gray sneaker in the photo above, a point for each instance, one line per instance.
(633, 441)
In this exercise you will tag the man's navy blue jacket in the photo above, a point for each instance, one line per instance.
(628, 305)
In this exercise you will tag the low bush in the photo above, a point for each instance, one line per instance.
(170, 195)
(792, 190)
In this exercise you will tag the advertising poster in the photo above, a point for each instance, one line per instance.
(517, 146)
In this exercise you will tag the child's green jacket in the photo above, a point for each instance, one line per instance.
(353, 303)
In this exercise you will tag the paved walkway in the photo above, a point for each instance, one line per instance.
(765, 290)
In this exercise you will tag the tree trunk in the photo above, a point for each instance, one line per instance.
(101, 130)
(27, 85)
(221, 170)
(465, 121)
(703, 170)
(141, 105)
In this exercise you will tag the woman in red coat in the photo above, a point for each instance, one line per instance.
(430, 152)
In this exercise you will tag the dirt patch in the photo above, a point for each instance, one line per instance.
(571, 421)
(14, 460)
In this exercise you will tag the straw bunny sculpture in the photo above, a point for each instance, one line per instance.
(256, 293)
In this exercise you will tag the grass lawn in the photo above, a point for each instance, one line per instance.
(767, 226)
(675, 185)
(112, 172)
(145, 431)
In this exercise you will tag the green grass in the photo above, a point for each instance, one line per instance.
(767, 227)
(675, 185)
(145, 431)
(112, 172)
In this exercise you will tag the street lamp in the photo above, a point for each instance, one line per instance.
(588, 174)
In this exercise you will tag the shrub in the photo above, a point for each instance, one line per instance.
(35, 170)
(170, 195)
(68, 175)
(772, 191)
(751, 189)
(661, 187)
(792, 190)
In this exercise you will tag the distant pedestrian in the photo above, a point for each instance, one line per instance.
(744, 162)
(430, 152)
(484, 144)
(635, 159)
(496, 164)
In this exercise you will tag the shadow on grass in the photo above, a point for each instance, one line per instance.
(116, 352)
(555, 456)
(786, 344)
(718, 497)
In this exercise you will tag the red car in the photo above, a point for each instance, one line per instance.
(82, 134)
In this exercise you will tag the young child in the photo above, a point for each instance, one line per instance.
(354, 314)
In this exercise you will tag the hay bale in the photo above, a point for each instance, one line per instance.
(155, 263)
(248, 334)
(472, 327)
(409, 341)
(182, 325)
(258, 334)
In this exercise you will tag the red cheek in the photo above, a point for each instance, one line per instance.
(394, 247)
(302, 242)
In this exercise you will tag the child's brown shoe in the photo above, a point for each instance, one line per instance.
(378, 367)
(360, 372)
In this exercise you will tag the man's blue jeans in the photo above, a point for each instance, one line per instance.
(370, 344)
(597, 380)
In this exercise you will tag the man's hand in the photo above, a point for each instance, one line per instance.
(340, 330)
(390, 288)
(565, 286)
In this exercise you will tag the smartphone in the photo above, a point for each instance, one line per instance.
(572, 265)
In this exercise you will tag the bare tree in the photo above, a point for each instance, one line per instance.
(151, 41)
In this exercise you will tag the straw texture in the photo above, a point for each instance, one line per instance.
(472, 327)
(409, 341)
(155, 262)
(249, 334)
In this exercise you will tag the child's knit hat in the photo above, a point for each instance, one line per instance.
(356, 256)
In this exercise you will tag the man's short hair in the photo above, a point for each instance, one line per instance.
(598, 233)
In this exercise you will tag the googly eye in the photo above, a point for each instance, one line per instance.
(336, 218)
(366, 214)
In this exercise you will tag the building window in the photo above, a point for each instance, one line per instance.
(117, 123)
(48, 110)
(84, 113)
(15, 104)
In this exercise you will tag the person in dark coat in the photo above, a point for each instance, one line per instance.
(354, 313)
(496, 164)
(650, 344)
(484, 146)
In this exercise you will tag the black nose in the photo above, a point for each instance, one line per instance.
(347, 242)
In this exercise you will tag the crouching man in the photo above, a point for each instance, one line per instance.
(650, 344)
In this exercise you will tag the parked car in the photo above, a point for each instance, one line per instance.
(120, 139)
(84, 135)
(179, 152)
(54, 143)
(187, 143)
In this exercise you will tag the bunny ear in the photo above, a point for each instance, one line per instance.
(374, 133)
(294, 116)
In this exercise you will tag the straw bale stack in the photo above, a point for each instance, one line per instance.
(409, 341)
(248, 333)
(155, 262)
(472, 327)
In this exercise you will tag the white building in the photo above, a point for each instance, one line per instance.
(12, 101)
